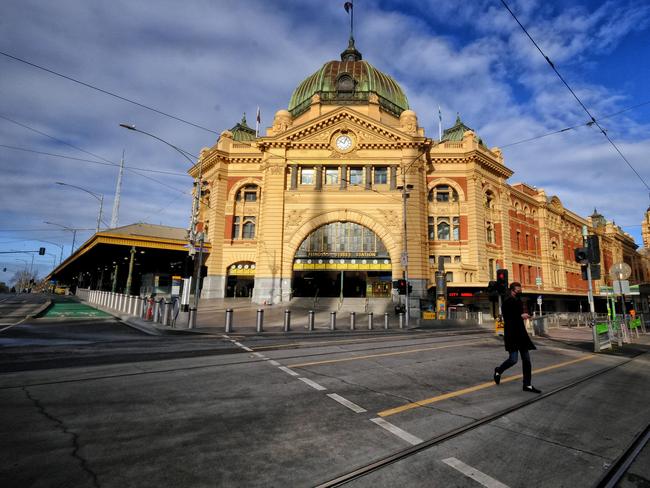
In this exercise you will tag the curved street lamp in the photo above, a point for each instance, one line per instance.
(70, 229)
(98, 196)
(194, 236)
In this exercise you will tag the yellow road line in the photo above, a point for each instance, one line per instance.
(453, 394)
(384, 354)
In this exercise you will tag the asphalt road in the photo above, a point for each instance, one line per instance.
(299, 411)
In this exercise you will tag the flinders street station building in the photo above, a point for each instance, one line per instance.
(345, 193)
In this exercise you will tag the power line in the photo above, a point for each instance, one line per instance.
(25, 126)
(175, 173)
(586, 124)
(593, 120)
(106, 92)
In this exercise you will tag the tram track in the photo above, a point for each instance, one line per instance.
(623, 463)
(617, 470)
(135, 358)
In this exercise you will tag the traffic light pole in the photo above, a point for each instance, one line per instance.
(405, 255)
(592, 309)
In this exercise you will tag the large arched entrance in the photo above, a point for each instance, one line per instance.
(342, 259)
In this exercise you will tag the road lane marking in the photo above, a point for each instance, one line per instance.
(344, 401)
(384, 354)
(313, 384)
(248, 349)
(288, 371)
(393, 429)
(474, 473)
(258, 355)
(471, 389)
(274, 363)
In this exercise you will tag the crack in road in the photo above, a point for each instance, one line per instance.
(64, 428)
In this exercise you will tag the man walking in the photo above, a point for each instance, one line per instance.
(515, 337)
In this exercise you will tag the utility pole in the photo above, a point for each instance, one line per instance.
(118, 192)
(405, 255)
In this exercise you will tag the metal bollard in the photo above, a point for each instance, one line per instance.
(386, 320)
(259, 323)
(287, 320)
(129, 304)
(401, 320)
(167, 313)
(310, 320)
(143, 308)
(156, 310)
(353, 320)
(228, 320)
(122, 303)
(369, 320)
(332, 320)
(191, 318)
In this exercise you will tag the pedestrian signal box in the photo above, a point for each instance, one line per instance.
(502, 281)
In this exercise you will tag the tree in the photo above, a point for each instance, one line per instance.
(24, 280)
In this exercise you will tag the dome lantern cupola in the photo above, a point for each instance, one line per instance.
(350, 81)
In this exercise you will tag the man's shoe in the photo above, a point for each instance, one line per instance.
(497, 376)
(531, 389)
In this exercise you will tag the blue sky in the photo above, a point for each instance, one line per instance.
(209, 61)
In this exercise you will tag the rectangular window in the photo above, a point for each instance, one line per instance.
(381, 175)
(331, 176)
(456, 259)
(445, 259)
(250, 196)
(235, 228)
(442, 195)
(307, 176)
(456, 229)
(356, 176)
(432, 229)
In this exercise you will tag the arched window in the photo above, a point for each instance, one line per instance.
(488, 199)
(443, 194)
(345, 83)
(249, 193)
(444, 233)
(248, 229)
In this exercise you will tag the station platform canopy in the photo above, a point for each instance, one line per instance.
(103, 261)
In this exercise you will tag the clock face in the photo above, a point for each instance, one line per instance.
(343, 142)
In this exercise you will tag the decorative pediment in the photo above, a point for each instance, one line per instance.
(321, 131)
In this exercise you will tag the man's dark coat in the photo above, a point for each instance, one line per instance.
(514, 331)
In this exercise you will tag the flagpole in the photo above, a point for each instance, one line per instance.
(352, 21)
(257, 123)
(439, 124)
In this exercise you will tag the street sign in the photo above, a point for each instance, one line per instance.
(538, 281)
(405, 258)
(621, 287)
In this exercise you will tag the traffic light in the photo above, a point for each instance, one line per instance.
(593, 250)
(595, 271)
(401, 287)
(502, 281)
(41, 251)
(581, 254)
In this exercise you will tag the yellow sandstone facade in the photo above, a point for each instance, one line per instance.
(314, 206)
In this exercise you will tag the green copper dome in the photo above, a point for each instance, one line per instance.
(349, 82)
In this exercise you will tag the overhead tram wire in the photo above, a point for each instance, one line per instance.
(95, 155)
(106, 92)
(15, 148)
(593, 119)
(586, 124)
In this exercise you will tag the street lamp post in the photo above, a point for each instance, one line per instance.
(405, 257)
(98, 196)
(194, 233)
(70, 229)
